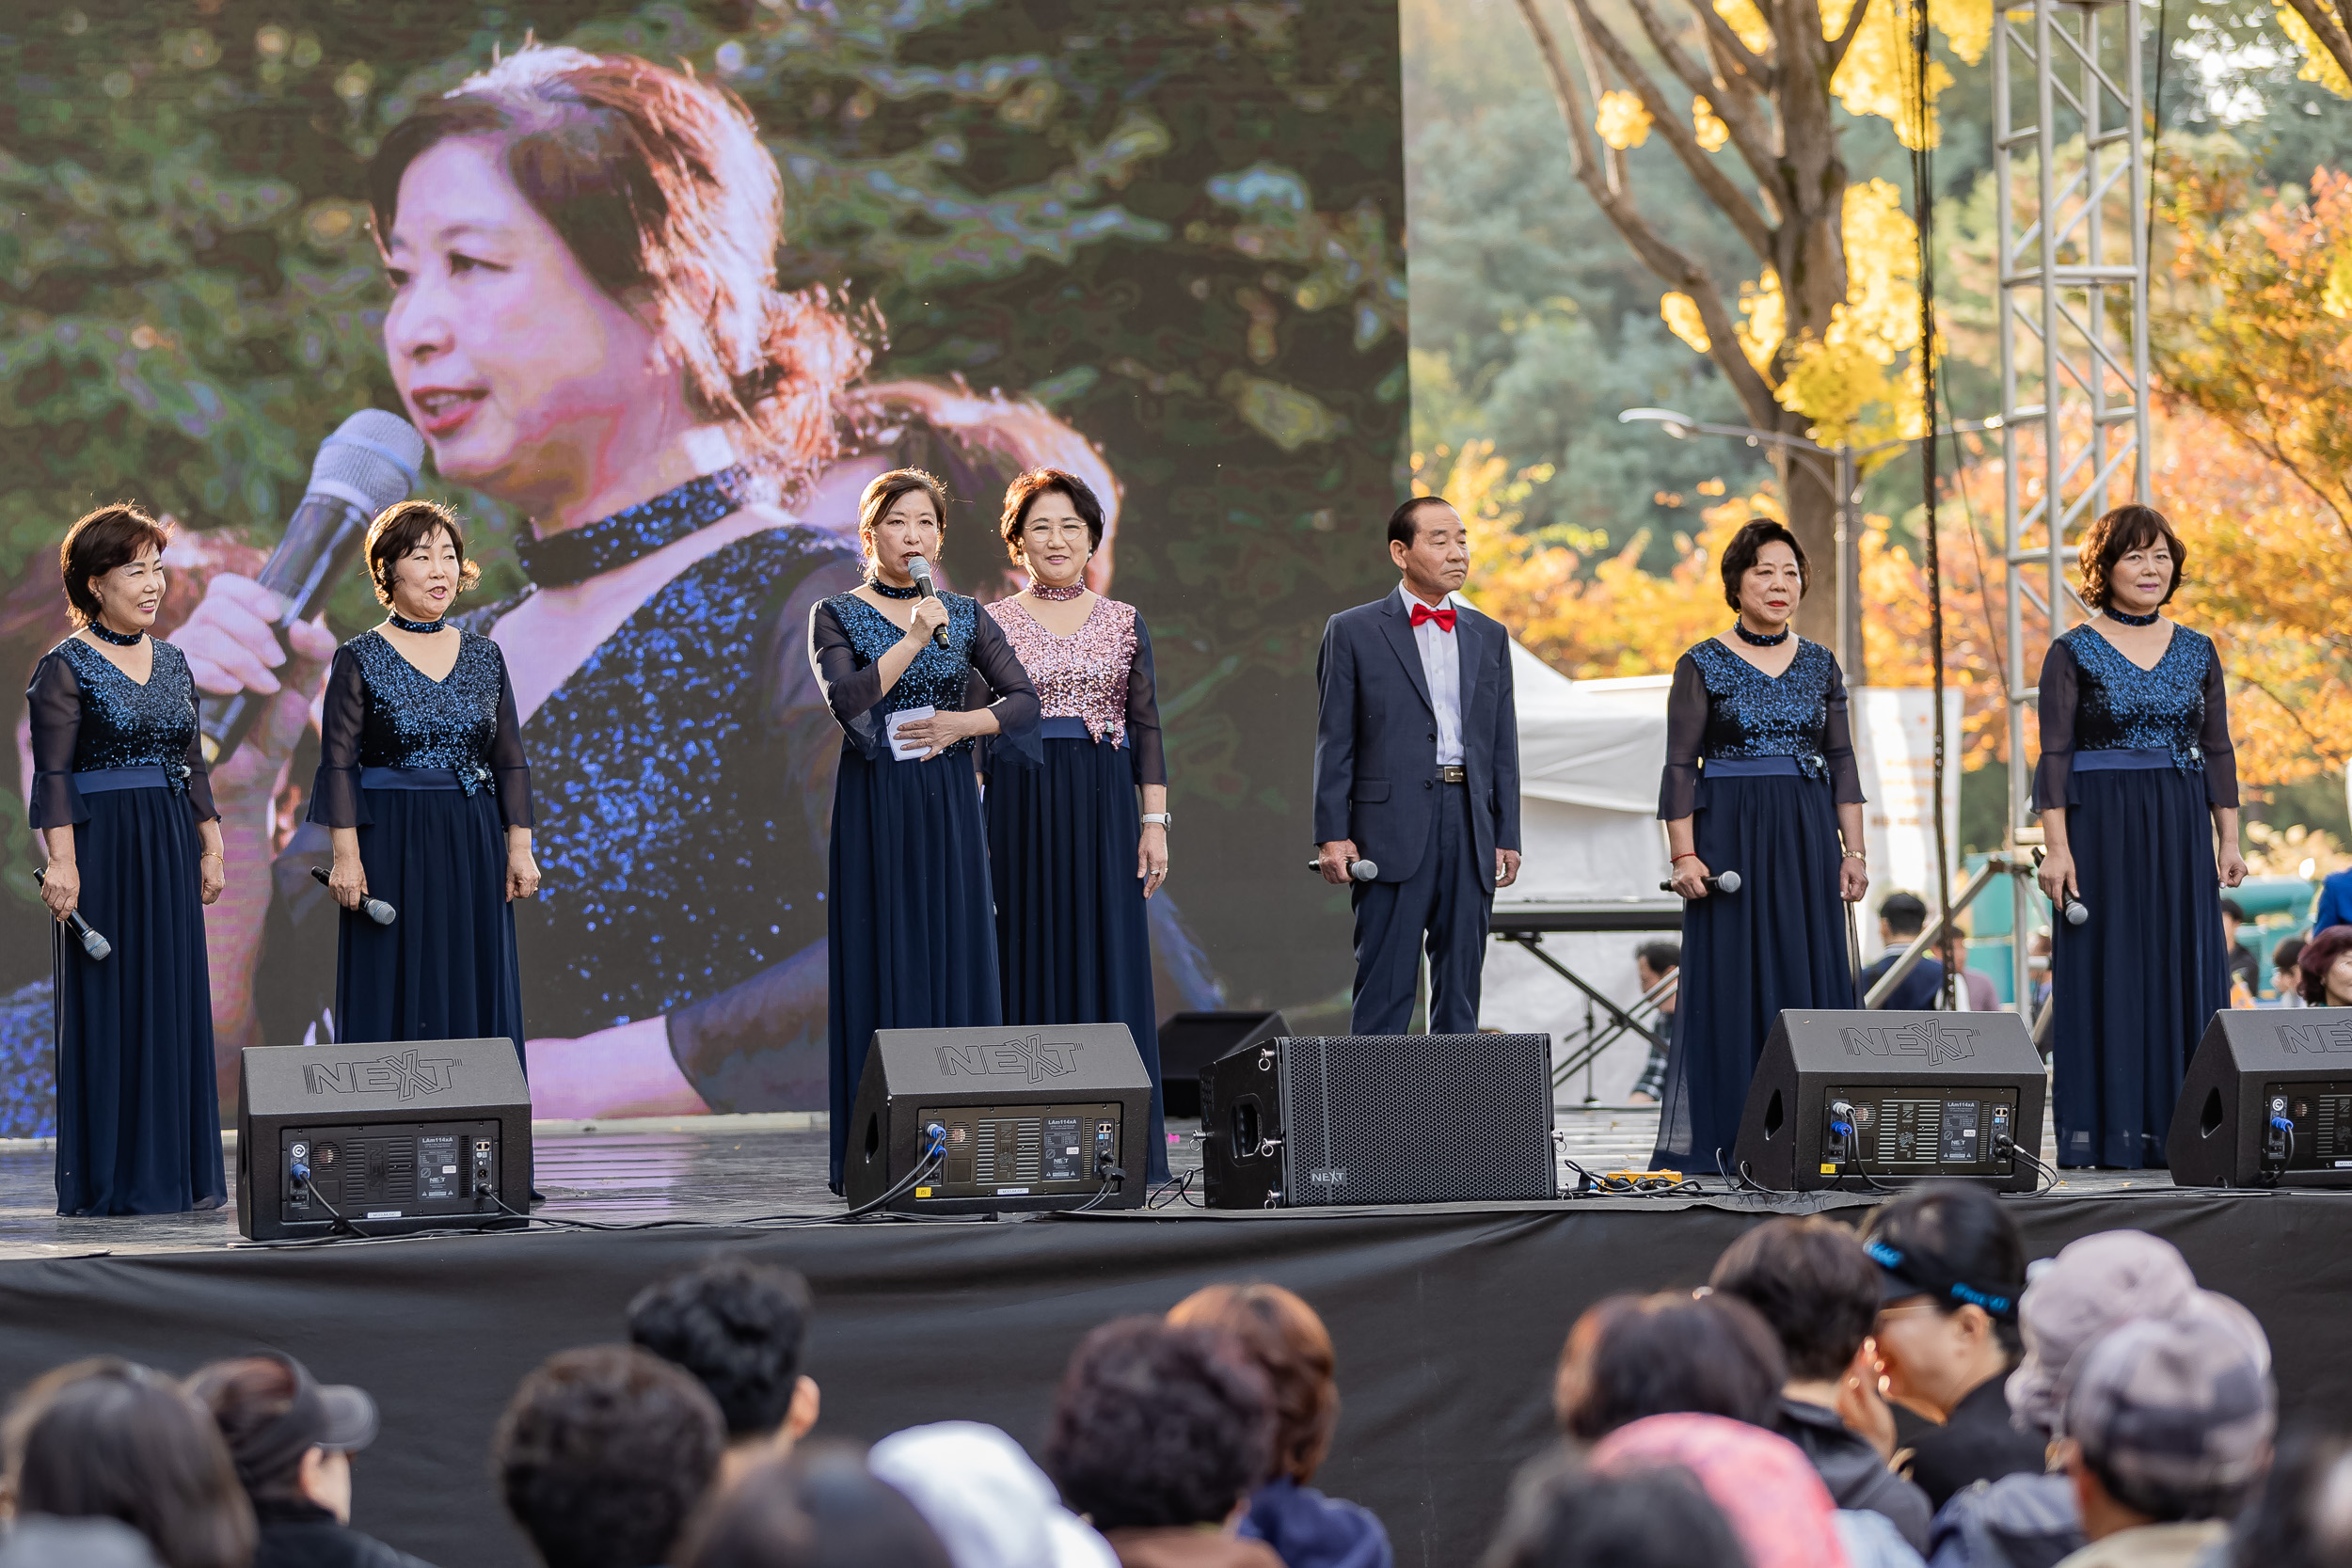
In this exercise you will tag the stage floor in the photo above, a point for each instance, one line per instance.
(719, 1171)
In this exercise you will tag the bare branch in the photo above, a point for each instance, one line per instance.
(1845, 39)
(1734, 109)
(1736, 64)
(2334, 31)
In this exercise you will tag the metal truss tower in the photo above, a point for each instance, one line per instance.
(2071, 172)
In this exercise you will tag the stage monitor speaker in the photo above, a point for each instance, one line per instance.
(382, 1139)
(1893, 1097)
(1319, 1119)
(2267, 1101)
(1024, 1117)
(1190, 1042)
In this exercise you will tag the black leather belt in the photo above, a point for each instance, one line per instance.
(1453, 773)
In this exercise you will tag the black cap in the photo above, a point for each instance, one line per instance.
(1904, 1274)
(323, 1416)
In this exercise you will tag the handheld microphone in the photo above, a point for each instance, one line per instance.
(369, 463)
(92, 943)
(2076, 911)
(1723, 881)
(375, 909)
(1362, 871)
(920, 570)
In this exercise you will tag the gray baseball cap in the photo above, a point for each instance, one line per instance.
(2178, 1407)
(2091, 1287)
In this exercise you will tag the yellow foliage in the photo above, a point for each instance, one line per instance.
(1680, 313)
(1875, 76)
(1748, 22)
(1844, 380)
(1711, 130)
(1623, 121)
(2318, 64)
(1764, 319)
(1966, 25)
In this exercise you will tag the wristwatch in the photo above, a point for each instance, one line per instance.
(1162, 818)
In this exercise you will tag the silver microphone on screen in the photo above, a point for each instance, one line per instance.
(375, 909)
(1362, 871)
(920, 570)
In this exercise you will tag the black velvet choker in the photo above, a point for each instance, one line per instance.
(633, 532)
(1758, 639)
(909, 592)
(107, 634)
(396, 618)
(2130, 620)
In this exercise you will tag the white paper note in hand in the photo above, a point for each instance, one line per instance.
(907, 751)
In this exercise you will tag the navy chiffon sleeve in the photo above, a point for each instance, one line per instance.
(2220, 752)
(1144, 741)
(851, 694)
(1686, 729)
(2060, 692)
(335, 797)
(509, 767)
(1845, 773)
(55, 703)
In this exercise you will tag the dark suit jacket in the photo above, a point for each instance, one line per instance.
(1376, 737)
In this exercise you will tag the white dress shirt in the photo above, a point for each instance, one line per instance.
(1441, 663)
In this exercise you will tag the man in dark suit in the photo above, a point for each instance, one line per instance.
(1417, 770)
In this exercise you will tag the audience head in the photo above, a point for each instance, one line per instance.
(991, 1507)
(2091, 1287)
(1813, 1286)
(1564, 1515)
(1903, 914)
(1952, 1267)
(1288, 1342)
(737, 1327)
(291, 1439)
(2171, 1419)
(1158, 1425)
(821, 1508)
(2301, 1514)
(603, 1453)
(2286, 974)
(2232, 916)
(1766, 1488)
(106, 1439)
(1660, 958)
(2325, 968)
(1632, 1356)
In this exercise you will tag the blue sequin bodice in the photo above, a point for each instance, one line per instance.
(1750, 713)
(938, 677)
(2120, 707)
(414, 720)
(125, 724)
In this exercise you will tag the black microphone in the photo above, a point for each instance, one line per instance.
(1723, 881)
(92, 943)
(375, 909)
(1362, 871)
(920, 570)
(369, 463)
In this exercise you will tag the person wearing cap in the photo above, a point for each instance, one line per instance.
(292, 1439)
(1952, 1268)
(2167, 1427)
(992, 1506)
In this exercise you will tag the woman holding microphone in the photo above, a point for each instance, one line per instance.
(1072, 858)
(123, 806)
(2136, 757)
(1760, 778)
(911, 940)
(424, 789)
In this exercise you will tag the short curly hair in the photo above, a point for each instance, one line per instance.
(404, 525)
(1033, 486)
(98, 543)
(1287, 1340)
(2116, 534)
(1748, 544)
(2318, 956)
(1159, 1427)
(884, 493)
(737, 1326)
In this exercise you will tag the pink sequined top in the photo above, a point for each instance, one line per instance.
(1099, 676)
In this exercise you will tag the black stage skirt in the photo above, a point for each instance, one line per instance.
(1070, 921)
(138, 1107)
(444, 969)
(2136, 984)
(1778, 942)
(911, 938)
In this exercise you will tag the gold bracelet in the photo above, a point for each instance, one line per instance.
(213, 855)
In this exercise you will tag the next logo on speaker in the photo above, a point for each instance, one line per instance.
(1032, 1060)
(1928, 1039)
(2331, 1038)
(407, 1074)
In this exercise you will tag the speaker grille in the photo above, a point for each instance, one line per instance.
(1416, 1118)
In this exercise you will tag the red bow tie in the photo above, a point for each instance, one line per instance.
(1444, 618)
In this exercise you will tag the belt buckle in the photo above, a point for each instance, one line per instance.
(1453, 773)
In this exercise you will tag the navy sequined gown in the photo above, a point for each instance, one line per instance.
(138, 1111)
(1760, 763)
(432, 774)
(2138, 759)
(910, 926)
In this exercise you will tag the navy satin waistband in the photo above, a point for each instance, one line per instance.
(1067, 728)
(1752, 767)
(2122, 759)
(155, 776)
(412, 778)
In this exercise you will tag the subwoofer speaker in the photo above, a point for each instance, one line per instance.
(1893, 1097)
(1023, 1118)
(1190, 1042)
(2267, 1101)
(382, 1139)
(1320, 1119)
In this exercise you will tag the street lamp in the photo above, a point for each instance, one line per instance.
(1841, 481)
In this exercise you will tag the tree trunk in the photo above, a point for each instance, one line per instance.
(1806, 479)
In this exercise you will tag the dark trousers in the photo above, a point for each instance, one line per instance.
(1444, 903)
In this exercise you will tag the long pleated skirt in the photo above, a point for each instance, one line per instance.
(445, 967)
(1070, 923)
(2135, 985)
(138, 1108)
(912, 935)
(1778, 942)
